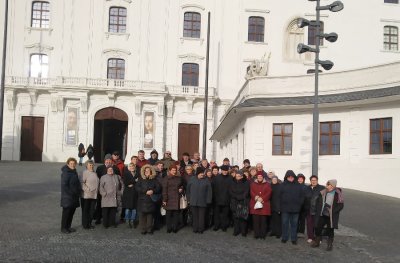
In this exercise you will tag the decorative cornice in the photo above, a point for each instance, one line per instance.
(39, 46)
(264, 11)
(191, 57)
(116, 50)
(189, 6)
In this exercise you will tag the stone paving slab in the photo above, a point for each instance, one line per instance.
(30, 221)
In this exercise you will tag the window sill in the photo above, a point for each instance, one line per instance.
(126, 35)
(390, 51)
(256, 43)
(30, 29)
(201, 40)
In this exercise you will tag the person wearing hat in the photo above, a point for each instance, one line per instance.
(328, 206)
(199, 195)
(153, 157)
(184, 162)
(172, 186)
(239, 192)
(220, 186)
(291, 201)
(118, 162)
(246, 165)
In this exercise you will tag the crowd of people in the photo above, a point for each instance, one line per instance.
(150, 193)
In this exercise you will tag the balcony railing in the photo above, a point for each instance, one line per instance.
(119, 85)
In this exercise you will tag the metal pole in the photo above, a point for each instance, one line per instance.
(3, 75)
(204, 153)
(316, 110)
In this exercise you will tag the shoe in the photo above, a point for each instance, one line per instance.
(175, 231)
(130, 223)
(169, 231)
(235, 234)
(223, 229)
(200, 232)
(135, 224)
(278, 237)
(72, 230)
(244, 235)
(65, 231)
(143, 232)
(150, 232)
(98, 222)
(316, 242)
(216, 228)
(294, 242)
(283, 241)
(330, 244)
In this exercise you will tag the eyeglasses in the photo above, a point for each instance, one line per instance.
(168, 153)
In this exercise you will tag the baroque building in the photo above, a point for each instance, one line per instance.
(130, 74)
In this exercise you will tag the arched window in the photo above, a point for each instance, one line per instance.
(117, 20)
(40, 14)
(294, 35)
(39, 66)
(256, 29)
(312, 34)
(391, 38)
(116, 68)
(192, 25)
(190, 74)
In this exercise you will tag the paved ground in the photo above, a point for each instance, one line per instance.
(30, 231)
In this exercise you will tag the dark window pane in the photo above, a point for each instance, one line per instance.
(116, 69)
(325, 127)
(192, 25)
(312, 33)
(256, 29)
(277, 129)
(190, 74)
(117, 20)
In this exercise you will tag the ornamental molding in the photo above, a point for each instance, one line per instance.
(39, 47)
(11, 98)
(116, 51)
(128, 1)
(192, 6)
(263, 11)
(191, 57)
(390, 20)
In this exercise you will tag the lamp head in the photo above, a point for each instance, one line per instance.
(331, 37)
(336, 6)
(301, 48)
(326, 64)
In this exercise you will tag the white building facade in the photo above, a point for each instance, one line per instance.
(95, 71)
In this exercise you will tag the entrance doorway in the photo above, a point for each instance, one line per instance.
(32, 138)
(110, 133)
(188, 138)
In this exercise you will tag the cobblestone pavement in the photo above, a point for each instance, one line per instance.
(30, 231)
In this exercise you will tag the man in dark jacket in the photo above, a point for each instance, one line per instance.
(70, 192)
(185, 161)
(291, 199)
(153, 157)
(220, 186)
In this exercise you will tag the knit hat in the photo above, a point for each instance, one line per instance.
(301, 175)
(154, 151)
(225, 168)
(200, 170)
(332, 182)
(107, 157)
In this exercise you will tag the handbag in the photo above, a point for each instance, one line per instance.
(183, 204)
(163, 212)
(242, 210)
(258, 205)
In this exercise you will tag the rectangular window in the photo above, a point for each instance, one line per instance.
(190, 74)
(117, 20)
(312, 34)
(392, 1)
(329, 138)
(39, 66)
(256, 29)
(380, 136)
(391, 38)
(116, 68)
(282, 139)
(192, 25)
(40, 14)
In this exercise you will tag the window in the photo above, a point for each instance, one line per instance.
(40, 14)
(380, 136)
(392, 1)
(282, 139)
(312, 34)
(294, 36)
(391, 38)
(256, 29)
(117, 20)
(192, 25)
(190, 74)
(329, 138)
(39, 66)
(116, 68)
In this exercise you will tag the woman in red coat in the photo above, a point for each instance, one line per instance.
(260, 193)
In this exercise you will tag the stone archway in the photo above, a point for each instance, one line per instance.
(110, 132)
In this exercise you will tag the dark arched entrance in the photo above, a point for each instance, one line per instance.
(110, 132)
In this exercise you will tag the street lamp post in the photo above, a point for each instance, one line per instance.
(3, 74)
(326, 64)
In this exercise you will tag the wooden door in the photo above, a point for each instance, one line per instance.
(32, 129)
(188, 138)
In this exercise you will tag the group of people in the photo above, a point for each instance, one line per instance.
(202, 194)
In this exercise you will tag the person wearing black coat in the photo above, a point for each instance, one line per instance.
(130, 195)
(291, 201)
(276, 223)
(70, 192)
(81, 153)
(327, 209)
(199, 195)
(239, 192)
(301, 226)
(312, 193)
(90, 152)
(220, 186)
(149, 192)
